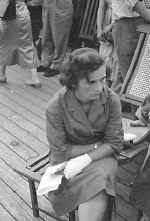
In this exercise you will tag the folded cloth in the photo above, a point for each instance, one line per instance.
(129, 137)
(50, 180)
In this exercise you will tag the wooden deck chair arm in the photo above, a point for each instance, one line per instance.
(28, 174)
(32, 162)
(128, 154)
(144, 28)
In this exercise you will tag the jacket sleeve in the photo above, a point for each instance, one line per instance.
(113, 135)
(56, 133)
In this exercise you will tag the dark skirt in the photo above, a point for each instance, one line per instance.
(99, 175)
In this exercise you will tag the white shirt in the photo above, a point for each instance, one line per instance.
(123, 8)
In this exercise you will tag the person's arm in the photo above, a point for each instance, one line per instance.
(55, 135)
(100, 18)
(141, 9)
(113, 138)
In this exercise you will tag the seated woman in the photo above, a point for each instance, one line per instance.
(84, 130)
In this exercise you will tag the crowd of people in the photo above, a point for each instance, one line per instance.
(40, 40)
(84, 126)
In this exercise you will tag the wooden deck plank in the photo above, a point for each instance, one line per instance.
(35, 108)
(16, 145)
(5, 215)
(22, 111)
(23, 135)
(24, 124)
(49, 85)
(15, 181)
(13, 203)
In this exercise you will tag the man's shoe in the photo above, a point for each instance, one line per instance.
(3, 80)
(41, 68)
(50, 72)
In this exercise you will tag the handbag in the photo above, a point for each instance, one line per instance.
(140, 193)
(10, 12)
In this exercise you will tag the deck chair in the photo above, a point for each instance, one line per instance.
(137, 82)
(88, 26)
(34, 169)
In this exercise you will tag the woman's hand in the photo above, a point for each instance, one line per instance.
(76, 165)
(57, 168)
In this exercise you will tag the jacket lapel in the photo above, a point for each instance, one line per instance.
(76, 111)
(98, 106)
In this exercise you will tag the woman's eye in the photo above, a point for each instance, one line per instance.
(103, 79)
(92, 82)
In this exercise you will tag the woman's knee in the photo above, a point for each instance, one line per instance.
(94, 209)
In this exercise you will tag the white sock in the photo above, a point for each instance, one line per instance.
(34, 75)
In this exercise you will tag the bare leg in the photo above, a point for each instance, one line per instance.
(3, 74)
(94, 209)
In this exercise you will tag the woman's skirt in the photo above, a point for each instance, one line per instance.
(99, 175)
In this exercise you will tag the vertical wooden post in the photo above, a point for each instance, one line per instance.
(34, 200)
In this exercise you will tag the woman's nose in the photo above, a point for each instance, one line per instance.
(98, 86)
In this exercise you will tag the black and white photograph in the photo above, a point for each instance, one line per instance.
(74, 110)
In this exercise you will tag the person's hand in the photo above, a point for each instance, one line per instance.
(107, 28)
(100, 35)
(76, 165)
(56, 168)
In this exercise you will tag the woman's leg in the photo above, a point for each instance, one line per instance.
(94, 209)
(3, 78)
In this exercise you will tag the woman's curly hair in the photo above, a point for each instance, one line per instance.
(78, 65)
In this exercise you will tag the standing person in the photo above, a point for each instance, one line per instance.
(104, 35)
(104, 26)
(84, 130)
(35, 9)
(57, 21)
(79, 7)
(16, 44)
(127, 15)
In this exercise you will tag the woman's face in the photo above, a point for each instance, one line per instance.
(90, 88)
